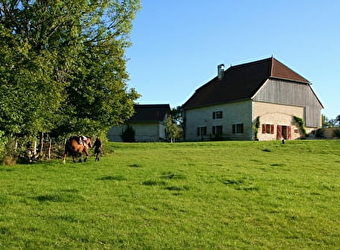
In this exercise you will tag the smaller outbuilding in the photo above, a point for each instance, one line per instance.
(147, 123)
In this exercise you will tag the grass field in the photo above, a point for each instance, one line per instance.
(205, 195)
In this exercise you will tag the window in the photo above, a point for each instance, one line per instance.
(217, 130)
(267, 128)
(201, 131)
(217, 115)
(238, 128)
(284, 132)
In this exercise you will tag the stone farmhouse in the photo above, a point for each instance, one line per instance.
(252, 101)
(148, 122)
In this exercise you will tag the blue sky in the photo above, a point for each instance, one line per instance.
(177, 44)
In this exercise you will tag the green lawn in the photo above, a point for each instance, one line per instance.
(204, 195)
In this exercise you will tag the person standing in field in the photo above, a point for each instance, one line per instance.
(97, 148)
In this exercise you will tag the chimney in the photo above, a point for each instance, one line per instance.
(220, 71)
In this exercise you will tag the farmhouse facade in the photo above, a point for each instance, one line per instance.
(148, 122)
(260, 100)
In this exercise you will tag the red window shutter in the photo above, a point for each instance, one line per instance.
(272, 129)
(289, 132)
(279, 132)
(263, 128)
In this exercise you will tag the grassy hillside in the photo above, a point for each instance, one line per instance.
(211, 195)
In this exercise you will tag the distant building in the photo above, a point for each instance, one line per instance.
(265, 92)
(148, 123)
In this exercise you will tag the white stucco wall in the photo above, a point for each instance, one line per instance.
(114, 133)
(277, 115)
(233, 113)
(144, 132)
(243, 112)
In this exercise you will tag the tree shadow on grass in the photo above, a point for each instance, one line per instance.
(59, 197)
(112, 178)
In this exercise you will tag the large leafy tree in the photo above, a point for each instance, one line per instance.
(29, 95)
(63, 65)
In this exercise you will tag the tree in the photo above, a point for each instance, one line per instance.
(328, 123)
(63, 65)
(338, 120)
(174, 124)
(28, 95)
(98, 97)
(323, 121)
(173, 131)
(177, 115)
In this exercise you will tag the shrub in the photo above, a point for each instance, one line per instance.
(256, 126)
(336, 133)
(320, 133)
(128, 135)
(217, 137)
(8, 154)
(2, 146)
(301, 124)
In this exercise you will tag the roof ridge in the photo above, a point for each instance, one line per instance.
(271, 66)
(249, 63)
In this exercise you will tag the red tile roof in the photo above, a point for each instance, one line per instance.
(150, 112)
(241, 82)
(281, 71)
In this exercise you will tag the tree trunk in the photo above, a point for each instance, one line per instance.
(41, 143)
(49, 149)
(34, 148)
